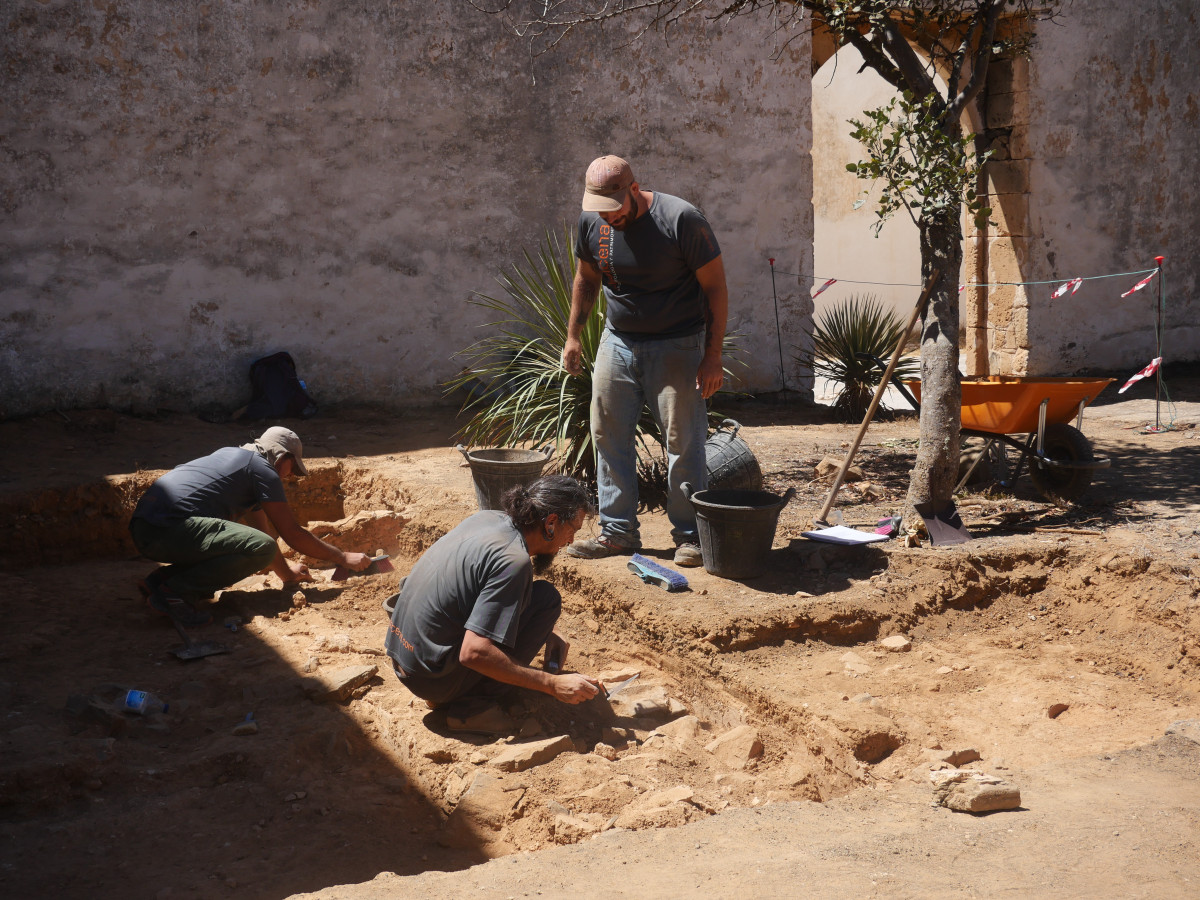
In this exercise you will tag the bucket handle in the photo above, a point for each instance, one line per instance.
(686, 490)
(787, 495)
(463, 450)
(734, 426)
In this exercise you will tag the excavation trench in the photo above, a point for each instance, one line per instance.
(773, 689)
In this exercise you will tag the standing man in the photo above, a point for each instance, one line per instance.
(470, 616)
(186, 518)
(660, 267)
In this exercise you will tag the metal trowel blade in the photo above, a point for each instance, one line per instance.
(616, 689)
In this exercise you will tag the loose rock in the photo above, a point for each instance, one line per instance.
(975, 792)
(736, 748)
(897, 643)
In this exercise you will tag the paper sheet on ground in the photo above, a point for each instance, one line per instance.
(840, 534)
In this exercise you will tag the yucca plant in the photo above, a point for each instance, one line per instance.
(527, 398)
(859, 324)
(519, 393)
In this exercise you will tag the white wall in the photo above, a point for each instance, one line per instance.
(845, 244)
(187, 187)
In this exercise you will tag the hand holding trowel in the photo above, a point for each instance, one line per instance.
(379, 564)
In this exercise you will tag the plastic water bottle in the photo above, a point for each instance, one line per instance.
(142, 703)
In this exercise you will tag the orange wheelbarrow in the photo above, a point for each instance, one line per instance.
(1033, 416)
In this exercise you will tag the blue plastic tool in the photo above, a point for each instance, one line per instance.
(653, 573)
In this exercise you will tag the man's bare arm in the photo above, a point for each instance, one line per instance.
(486, 658)
(712, 281)
(584, 291)
(299, 539)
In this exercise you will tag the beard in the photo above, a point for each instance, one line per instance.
(542, 563)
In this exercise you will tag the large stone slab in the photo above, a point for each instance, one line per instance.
(519, 757)
(338, 684)
(974, 792)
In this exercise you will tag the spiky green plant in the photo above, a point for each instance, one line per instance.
(522, 395)
(519, 394)
(859, 324)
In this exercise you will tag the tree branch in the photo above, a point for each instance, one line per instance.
(981, 56)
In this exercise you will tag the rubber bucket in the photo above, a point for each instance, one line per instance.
(731, 463)
(736, 529)
(495, 471)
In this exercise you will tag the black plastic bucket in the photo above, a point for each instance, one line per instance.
(731, 463)
(736, 529)
(495, 471)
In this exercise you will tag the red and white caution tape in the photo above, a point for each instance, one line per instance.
(830, 283)
(1073, 285)
(1141, 284)
(1145, 373)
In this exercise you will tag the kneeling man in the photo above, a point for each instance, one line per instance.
(470, 614)
(187, 518)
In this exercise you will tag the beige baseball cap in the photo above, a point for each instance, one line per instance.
(278, 441)
(607, 184)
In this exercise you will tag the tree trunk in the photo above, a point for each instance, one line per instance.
(936, 470)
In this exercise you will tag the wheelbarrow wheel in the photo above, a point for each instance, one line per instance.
(1063, 443)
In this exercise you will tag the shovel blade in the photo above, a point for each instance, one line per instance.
(945, 526)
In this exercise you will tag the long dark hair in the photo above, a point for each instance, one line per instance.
(528, 505)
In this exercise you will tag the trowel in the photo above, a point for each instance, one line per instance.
(378, 565)
(195, 649)
(610, 692)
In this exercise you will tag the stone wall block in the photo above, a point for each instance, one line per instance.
(1004, 110)
(1009, 176)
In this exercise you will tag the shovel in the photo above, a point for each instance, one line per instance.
(945, 526)
(195, 649)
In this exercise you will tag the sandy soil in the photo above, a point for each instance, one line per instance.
(764, 707)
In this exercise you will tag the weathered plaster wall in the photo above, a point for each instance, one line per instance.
(1110, 165)
(186, 187)
(845, 243)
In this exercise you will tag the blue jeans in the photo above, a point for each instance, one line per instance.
(629, 375)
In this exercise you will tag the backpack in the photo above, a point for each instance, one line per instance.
(278, 391)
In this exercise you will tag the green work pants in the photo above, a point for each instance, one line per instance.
(205, 555)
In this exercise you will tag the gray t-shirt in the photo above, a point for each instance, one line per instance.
(649, 268)
(478, 577)
(223, 485)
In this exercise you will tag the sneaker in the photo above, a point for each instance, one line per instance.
(597, 548)
(688, 554)
(178, 609)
